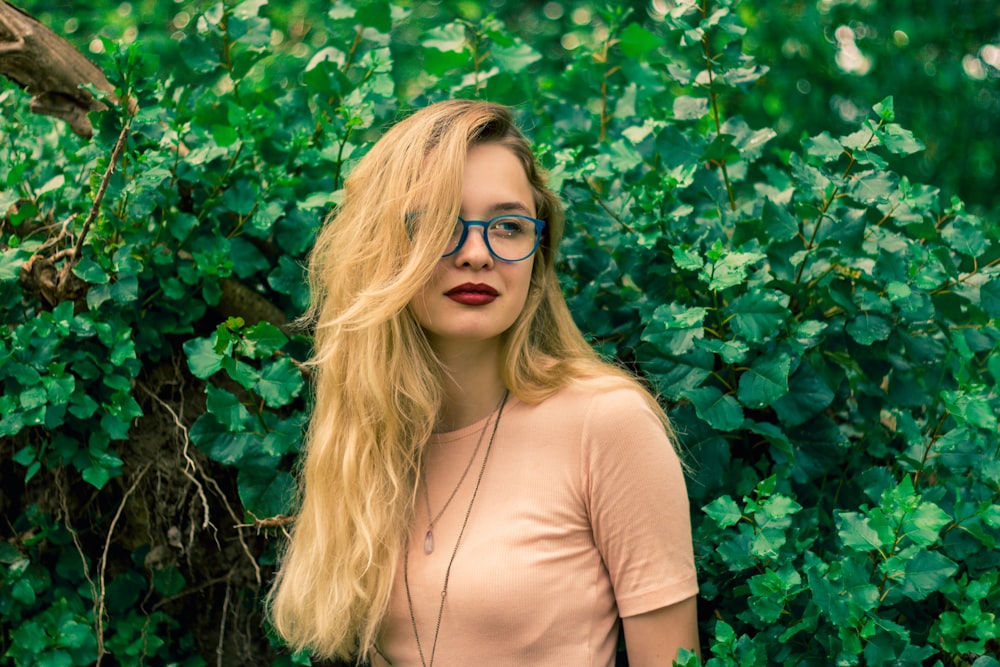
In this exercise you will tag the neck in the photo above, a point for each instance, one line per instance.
(472, 384)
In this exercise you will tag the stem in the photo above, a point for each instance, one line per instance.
(947, 286)
(927, 450)
(116, 155)
(810, 246)
(716, 115)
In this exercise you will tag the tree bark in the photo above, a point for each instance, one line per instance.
(50, 69)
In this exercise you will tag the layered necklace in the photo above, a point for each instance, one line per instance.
(429, 538)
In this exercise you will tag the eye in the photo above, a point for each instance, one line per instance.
(508, 227)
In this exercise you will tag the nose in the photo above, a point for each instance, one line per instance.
(474, 252)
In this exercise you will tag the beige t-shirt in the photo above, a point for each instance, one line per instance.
(581, 518)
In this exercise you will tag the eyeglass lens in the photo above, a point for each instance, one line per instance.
(509, 238)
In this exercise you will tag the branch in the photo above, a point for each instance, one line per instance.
(50, 69)
(116, 155)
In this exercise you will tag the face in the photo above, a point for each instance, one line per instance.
(472, 296)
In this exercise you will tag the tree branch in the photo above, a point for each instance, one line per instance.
(50, 69)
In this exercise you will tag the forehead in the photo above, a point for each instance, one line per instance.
(495, 182)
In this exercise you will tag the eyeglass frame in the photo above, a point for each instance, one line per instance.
(485, 224)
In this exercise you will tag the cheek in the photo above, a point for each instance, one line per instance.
(522, 282)
(419, 304)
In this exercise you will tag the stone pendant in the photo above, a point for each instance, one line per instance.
(429, 542)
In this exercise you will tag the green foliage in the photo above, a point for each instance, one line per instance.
(822, 329)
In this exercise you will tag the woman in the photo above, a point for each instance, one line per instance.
(478, 487)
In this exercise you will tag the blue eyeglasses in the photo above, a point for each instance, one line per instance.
(509, 237)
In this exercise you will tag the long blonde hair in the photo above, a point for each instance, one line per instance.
(378, 385)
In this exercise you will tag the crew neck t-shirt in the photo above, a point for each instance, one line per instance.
(581, 518)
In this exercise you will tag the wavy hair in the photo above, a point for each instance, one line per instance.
(378, 385)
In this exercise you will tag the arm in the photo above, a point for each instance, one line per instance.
(654, 638)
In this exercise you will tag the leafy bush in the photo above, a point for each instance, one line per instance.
(823, 331)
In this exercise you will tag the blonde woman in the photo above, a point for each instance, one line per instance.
(478, 488)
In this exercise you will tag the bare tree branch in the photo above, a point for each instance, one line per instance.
(50, 69)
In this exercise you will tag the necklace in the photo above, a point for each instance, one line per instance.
(429, 537)
(447, 572)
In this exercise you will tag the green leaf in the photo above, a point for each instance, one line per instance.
(375, 14)
(721, 149)
(856, 532)
(989, 299)
(11, 261)
(224, 135)
(265, 338)
(31, 637)
(924, 524)
(215, 440)
(22, 592)
(965, 234)
(675, 377)
(449, 37)
(900, 141)
(926, 573)
(265, 490)
(202, 358)
(874, 187)
(730, 351)
(721, 411)
(636, 41)
(808, 395)
(779, 223)
(228, 409)
(824, 147)
(867, 328)
(102, 468)
(769, 592)
(686, 258)
(516, 57)
(240, 371)
(690, 108)
(730, 269)
(199, 55)
(724, 511)
(674, 328)
(168, 581)
(885, 109)
(758, 315)
(971, 407)
(765, 381)
(280, 382)
(90, 271)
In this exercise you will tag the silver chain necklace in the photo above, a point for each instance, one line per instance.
(429, 536)
(447, 572)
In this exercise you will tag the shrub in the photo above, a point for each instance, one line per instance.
(822, 330)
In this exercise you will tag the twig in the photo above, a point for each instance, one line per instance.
(277, 521)
(220, 651)
(99, 607)
(239, 533)
(60, 484)
(177, 421)
(191, 464)
(116, 155)
(192, 591)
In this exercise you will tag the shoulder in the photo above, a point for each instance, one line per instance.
(603, 405)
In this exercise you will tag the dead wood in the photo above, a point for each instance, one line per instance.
(50, 69)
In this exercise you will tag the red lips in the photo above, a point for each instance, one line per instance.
(472, 294)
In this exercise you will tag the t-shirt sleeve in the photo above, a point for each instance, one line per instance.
(638, 504)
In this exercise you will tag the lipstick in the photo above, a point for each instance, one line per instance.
(472, 294)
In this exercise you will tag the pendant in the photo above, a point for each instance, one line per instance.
(429, 542)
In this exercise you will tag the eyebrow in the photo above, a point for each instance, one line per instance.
(510, 207)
